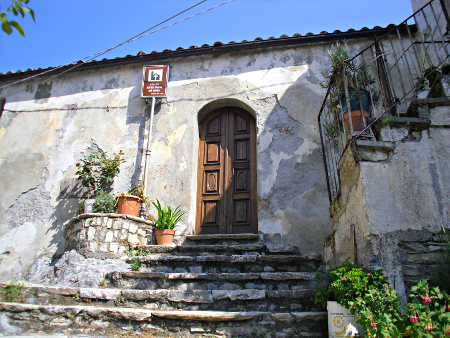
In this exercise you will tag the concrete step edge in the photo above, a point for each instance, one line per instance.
(145, 315)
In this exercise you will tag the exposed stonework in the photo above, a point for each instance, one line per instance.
(107, 235)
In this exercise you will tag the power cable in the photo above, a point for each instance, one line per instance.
(93, 56)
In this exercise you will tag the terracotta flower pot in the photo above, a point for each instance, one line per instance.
(357, 121)
(129, 205)
(164, 236)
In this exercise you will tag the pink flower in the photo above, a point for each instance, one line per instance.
(414, 319)
(338, 106)
(426, 300)
(373, 324)
(82, 151)
(429, 327)
(369, 274)
(344, 278)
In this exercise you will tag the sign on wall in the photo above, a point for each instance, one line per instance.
(154, 81)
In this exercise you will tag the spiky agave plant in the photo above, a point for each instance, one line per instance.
(168, 218)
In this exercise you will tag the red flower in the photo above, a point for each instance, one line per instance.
(429, 327)
(373, 324)
(414, 319)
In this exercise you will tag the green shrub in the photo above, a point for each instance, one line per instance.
(12, 291)
(104, 203)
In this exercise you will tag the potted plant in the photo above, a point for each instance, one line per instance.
(129, 203)
(96, 170)
(166, 221)
(366, 294)
(359, 85)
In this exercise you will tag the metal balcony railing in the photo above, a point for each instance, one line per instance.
(380, 80)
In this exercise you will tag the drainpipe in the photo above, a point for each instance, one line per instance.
(149, 139)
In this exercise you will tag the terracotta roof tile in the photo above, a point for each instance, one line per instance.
(216, 44)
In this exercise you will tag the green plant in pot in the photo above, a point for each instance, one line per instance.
(356, 82)
(129, 203)
(96, 169)
(167, 219)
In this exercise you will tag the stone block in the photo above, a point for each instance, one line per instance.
(281, 316)
(133, 228)
(105, 294)
(93, 246)
(87, 222)
(109, 236)
(429, 258)
(199, 330)
(133, 239)
(116, 234)
(193, 296)
(91, 233)
(229, 286)
(109, 223)
(155, 295)
(103, 247)
(243, 294)
(414, 248)
(100, 234)
(124, 235)
(82, 235)
(411, 270)
(122, 250)
(244, 258)
(242, 331)
(117, 224)
(98, 324)
(125, 225)
(114, 247)
(268, 269)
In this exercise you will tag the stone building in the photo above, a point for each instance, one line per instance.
(266, 89)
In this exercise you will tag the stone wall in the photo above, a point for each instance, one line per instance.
(107, 235)
(395, 192)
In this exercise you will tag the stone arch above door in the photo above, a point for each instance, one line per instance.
(226, 188)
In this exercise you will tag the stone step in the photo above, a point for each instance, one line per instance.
(150, 280)
(213, 263)
(216, 300)
(112, 321)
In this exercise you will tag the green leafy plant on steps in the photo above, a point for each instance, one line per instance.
(104, 203)
(167, 217)
(12, 291)
(136, 264)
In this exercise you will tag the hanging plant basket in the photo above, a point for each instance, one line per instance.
(129, 205)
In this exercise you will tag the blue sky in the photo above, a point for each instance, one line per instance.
(68, 30)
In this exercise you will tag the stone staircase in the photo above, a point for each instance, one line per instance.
(235, 286)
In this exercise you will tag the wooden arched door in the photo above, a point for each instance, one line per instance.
(226, 194)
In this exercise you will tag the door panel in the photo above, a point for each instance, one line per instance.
(226, 201)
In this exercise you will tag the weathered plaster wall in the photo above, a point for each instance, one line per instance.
(399, 200)
(44, 128)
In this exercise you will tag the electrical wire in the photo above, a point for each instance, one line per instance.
(95, 54)
(78, 63)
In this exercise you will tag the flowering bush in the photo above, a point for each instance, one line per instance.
(367, 295)
(376, 305)
(96, 170)
(428, 312)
